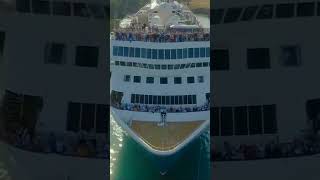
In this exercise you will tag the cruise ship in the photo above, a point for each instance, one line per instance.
(160, 78)
(53, 80)
(270, 47)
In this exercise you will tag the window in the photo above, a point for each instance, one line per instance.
(61, 8)
(305, 9)
(163, 100)
(146, 99)
(122, 63)
(185, 53)
(154, 54)
(87, 56)
(232, 15)
(149, 53)
(240, 120)
(167, 53)
(55, 53)
(137, 52)
(177, 66)
(151, 66)
(40, 7)
(73, 120)
(194, 99)
(131, 52)
(129, 64)
(101, 118)
(96, 10)
(88, 116)
(173, 54)
(226, 120)
(255, 120)
(215, 122)
(170, 66)
(157, 66)
(177, 80)
(155, 100)
(137, 79)
(117, 63)
(269, 119)
(172, 100)
(163, 80)
(150, 99)
(285, 10)
(202, 52)
(80, 9)
(115, 50)
(196, 52)
(200, 79)
(164, 66)
(176, 99)
(125, 51)
(217, 16)
(290, 56)
(120, 51)
(220, 59)
(127, 78)
(133, 98)
(167, 100)
(141, 99)
(258, 58)
(249, 13)
(182, 66)
(198, 64)
(265, 12)
(23, 6)
(161, 54)
(149, 80)
(179, 53)
(190, 79)
(190, 53)
(159, 99)
(143, 52)
(207, 52)
(2, 42)
(205, 64)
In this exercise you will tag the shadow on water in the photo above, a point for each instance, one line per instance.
(133, 162)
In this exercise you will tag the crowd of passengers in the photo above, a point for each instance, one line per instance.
(158, 109)
(155, 35)
(82, 144)
(273, 149)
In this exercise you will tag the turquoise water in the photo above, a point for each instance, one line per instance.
(129, 161)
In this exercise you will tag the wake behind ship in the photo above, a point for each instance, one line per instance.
(160, 59)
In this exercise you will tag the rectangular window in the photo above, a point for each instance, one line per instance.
(176, 99)
(249, 13)
(88, 117)
(133, 98)
(149, 53)
(170, 67)
(172, 100)
(198, 64)
(143, 53)
(163, 100)
(269, 119)
(202, 52)
(305, 9)
(2, 42)
(137, 79)
(196, 52)
(137, 52)
(177, 80)
(155, 100)
(179, 53)
(190, 52)
(150, 80)
(180, 100)
(40, 7)
(207, 52)
(205, 64)
(173, 54)
(80, 9)
(232, 15)
(240, 120)
(61, 8)
(217, 15)
(101, 118)
(150, 99)
(190, 79)
(226, 117)
(55, 53)
(146, 99)
(141, 99)
(220, 59)
(115, 50)
(177, 66)
(163, 80)
(185, 99)
(159, 99)
(258, 58)
(189, 99)
(215, 122)
(87, 56)
(161, 54)
(255, 120)
(265, 12)
(131, 52)
(167, 100)
(151, 66)
(290, 56)
(285, 10)
(185, 53)
(200, 79)
(125, 51)
(137, 98)
(194, 99)
(23, 6)
(157, 66)
(127, 78)
(154, 54)
(164, 66)
(122, 63)
(73, 122)
(129, 64)
(167, 53)
(182, 66)
(120, 51)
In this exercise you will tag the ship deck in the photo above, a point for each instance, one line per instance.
(164, 138)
